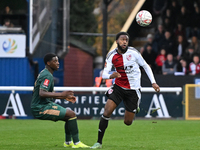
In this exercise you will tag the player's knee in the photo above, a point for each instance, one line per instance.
(73, 114)
(70, 113)
(128, 122)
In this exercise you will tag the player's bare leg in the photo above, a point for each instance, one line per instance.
(109, 108)
(128, 117)
(103, 124)
(71, 131)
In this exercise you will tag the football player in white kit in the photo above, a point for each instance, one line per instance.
(126, 88)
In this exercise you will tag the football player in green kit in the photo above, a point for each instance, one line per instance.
(43, 108)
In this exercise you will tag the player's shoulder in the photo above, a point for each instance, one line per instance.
(112, 52)
(132, 49)
(45, 74)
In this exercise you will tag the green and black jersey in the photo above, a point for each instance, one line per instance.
(44, 81)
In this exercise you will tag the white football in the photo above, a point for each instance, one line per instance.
(143, 18)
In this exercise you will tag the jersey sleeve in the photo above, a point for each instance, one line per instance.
(140, 60)
(146, 67)
(46, 83)
(107, 68)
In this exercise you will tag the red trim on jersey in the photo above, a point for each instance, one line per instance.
(46, 82)
(119, 65)
(194, 67)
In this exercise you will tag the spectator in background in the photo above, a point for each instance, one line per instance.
(195, 43)
(180, 47)
(7, 23)
(152, 42)
(170, 16)
(167, 42)
(194, 66)
(149, 55)
(141, 50)
(159, 6)
(188, 56)
(175, 8)
(182, 68)
(160, 59)
(159, 34)
(167, 13)
(185, 20)
(179, 30)
(7, 10)
(169, 66)
(196, 22)
(189, 5)
(167, 24)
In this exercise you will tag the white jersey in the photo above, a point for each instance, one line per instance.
(127, 65)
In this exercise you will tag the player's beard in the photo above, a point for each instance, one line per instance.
(121, 49)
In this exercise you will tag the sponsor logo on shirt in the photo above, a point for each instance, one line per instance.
(124, 68)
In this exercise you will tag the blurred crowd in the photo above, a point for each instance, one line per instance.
(174, 48)
(7, 22)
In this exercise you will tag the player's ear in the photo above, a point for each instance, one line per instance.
(48, 63)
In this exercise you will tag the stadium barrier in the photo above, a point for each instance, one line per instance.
(177, 90)
(165, 104)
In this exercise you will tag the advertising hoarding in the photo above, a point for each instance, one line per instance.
(12, 45)
(162, 105)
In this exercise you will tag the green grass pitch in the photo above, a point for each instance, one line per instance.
(141, 135)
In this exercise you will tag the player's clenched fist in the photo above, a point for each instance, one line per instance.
(156, 87)
(115, 75)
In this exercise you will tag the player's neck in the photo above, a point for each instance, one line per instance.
(49, 69)
(120, 52)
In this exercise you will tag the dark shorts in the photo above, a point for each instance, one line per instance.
(130, 98)
(50, 111)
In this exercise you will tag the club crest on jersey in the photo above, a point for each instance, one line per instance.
(128, 57)
(46, 82)
(110, 91)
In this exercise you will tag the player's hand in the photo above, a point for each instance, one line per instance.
(115, 75)
(156, 87)
(71, 99)
(69, 96)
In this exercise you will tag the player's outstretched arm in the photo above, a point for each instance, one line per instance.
(156, 87)
(68, 95)
(115, 75)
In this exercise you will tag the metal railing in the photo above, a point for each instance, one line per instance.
(177, 90)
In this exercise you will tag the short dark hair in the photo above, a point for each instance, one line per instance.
(195, 54)
(121, 33)
(48, 57)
